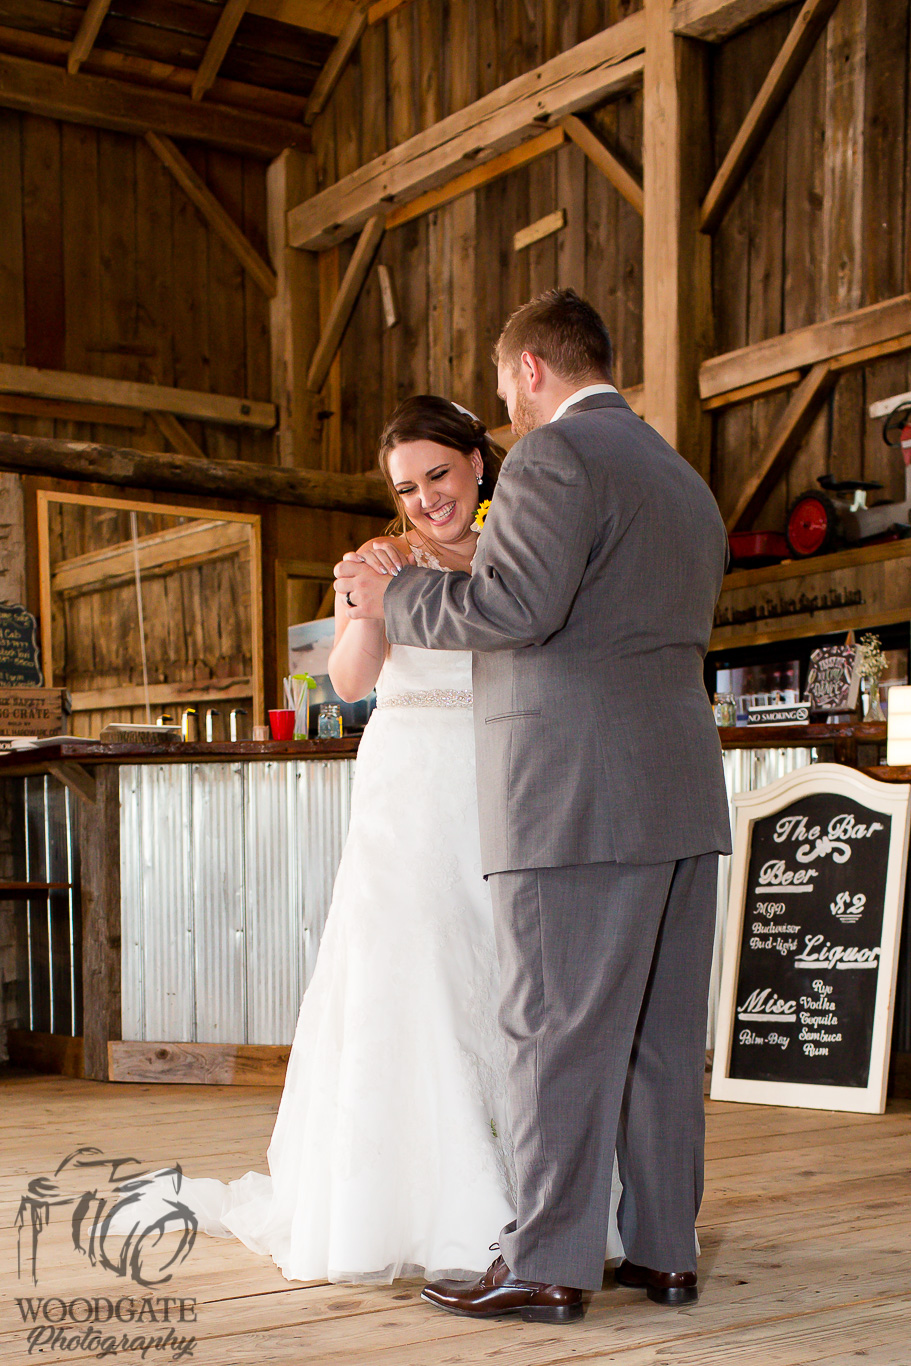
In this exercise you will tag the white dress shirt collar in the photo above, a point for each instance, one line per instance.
(584, 393)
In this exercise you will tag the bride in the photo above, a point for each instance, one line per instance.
(390, 1154)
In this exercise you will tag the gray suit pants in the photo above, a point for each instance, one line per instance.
(604, 973)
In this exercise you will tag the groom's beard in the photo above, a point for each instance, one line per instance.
(525, 417)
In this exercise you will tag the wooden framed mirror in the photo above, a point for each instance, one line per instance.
(149, 609)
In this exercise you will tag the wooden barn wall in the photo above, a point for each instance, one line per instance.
(454, 271)
(108, 269)
(821, 226)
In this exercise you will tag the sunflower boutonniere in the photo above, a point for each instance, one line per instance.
(480, 515)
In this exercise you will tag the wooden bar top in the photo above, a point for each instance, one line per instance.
(793, 737)
(22, 762)
(19, 763)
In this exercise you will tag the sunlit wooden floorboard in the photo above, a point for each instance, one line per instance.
(805, 1229)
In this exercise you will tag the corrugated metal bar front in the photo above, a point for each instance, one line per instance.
(745, 770)
(275, 900)
(226, 875)
(132, 978)
(157, 901)
(325, 792)
(219, 901)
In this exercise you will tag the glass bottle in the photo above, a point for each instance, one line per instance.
(725, 709)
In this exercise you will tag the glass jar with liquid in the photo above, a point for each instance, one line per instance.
(329, 723)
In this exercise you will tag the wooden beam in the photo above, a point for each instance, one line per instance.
(330, 397)
(38, 88)
(714, 21)
(98, 830)
(331, 339)
(161, 694)
(78, 779)
(177, 435)
(329, 77)
(750, 391)
(228, 479)
(764, 110)
(198, 1064)
(387, 296)
(101, 414)
(879, 325)
(84, 41)
(677, 303)
(481, 175)
(318, 16)
(783, 444)
(215, 214)
(541, 228)
(381, 9)
(863, 355)
(841, 364)
(603, 65)
(289, 180)
(198, 540)
(62, 384)
(222, 38)
(145, 71)
(613, 170)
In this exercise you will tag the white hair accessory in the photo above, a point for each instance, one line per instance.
(467, 411)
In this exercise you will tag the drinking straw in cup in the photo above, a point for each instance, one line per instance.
(299, 686)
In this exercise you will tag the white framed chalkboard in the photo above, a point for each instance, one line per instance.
(811, 945)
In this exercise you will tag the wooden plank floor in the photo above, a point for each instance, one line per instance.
(805, 1229)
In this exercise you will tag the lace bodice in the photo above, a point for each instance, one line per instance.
(408, 669)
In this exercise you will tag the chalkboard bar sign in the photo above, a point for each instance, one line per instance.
(20, 666)
(811, 941)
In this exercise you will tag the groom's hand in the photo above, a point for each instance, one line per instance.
(361, 587)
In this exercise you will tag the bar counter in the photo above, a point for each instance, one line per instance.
(171, 898)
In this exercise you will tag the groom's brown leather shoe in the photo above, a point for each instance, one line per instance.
(664, 1287)
(498, 1291)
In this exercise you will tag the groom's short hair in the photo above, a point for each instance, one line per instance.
(563, 330)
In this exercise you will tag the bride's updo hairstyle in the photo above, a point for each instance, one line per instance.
(427, 417)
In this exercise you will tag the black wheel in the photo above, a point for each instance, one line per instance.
(812, 527)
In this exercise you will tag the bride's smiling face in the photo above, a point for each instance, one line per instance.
(438, 487)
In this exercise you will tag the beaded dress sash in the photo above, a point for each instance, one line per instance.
(429, 697)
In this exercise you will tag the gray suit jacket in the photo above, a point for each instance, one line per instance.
(589, 610)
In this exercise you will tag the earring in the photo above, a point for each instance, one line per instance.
(480, 480)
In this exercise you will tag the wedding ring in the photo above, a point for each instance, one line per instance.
(348, 600)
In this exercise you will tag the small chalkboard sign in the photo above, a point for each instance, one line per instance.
(20, 664)
(811, 943)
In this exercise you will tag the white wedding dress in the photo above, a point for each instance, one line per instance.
(390, 1153)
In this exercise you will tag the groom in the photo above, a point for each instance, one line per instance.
(602, 806)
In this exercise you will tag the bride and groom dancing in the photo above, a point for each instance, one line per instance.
(491, 1021)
